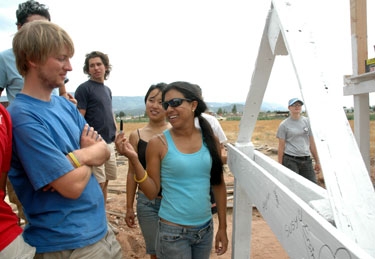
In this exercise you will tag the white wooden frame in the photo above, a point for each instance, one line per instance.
(310, 222)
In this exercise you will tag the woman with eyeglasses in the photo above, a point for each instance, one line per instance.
(184, 162)
(296, 143)
(147, 210)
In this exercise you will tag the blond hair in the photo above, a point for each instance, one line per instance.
(38, 40)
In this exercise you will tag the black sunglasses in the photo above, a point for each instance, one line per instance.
(175, 102)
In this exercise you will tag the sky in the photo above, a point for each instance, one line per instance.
(212, 43)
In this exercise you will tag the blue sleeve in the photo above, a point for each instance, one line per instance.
(3, 74)
(42, 158)
(42, 140)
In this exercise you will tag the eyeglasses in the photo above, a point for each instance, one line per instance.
(175, 102)
(296, 104)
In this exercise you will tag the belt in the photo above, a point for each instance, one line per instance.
(174, 224)
(298, 157)
(184, 226)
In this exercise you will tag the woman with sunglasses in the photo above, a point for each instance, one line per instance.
(184, 161)
(147, 210)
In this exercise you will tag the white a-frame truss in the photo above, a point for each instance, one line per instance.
(309, 221)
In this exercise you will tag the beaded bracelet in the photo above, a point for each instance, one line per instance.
(74, 159)
(142, 180)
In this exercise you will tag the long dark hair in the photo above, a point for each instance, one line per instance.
(192, 92)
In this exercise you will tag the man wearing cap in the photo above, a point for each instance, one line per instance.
(296, 143)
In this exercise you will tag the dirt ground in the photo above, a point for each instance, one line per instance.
(264, 244)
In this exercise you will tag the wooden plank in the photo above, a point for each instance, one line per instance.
(360, 88)
(259, 81)
(275, 38)
(358, 18)
(362, 127)
(302, 232)
(359, 84)
(241, 223)
(305, 189)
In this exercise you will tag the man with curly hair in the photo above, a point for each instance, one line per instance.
(94, 101)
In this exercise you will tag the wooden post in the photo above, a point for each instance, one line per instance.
(358, 17)
(358, 22)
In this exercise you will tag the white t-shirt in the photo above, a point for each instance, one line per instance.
(215, 125)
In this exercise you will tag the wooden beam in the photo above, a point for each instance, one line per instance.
(259, 80)
(358, 21)
(300, 229)
(359, 84)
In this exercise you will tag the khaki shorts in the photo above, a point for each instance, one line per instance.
(107, 247)
(18, 249)
(108, 170)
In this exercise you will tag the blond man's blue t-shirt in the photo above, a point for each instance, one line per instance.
(43, 133)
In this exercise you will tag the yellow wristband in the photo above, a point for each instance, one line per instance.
(74, 159)
(142, 180)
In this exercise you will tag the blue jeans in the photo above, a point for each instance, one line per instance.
(147, 213)
(302, 167)
(177, 242)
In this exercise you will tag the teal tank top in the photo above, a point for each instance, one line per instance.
(185, 182)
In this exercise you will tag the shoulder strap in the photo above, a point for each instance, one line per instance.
(162, 139)
(139, 135)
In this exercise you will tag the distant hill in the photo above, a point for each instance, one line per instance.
(130, 105)
(134, 105)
